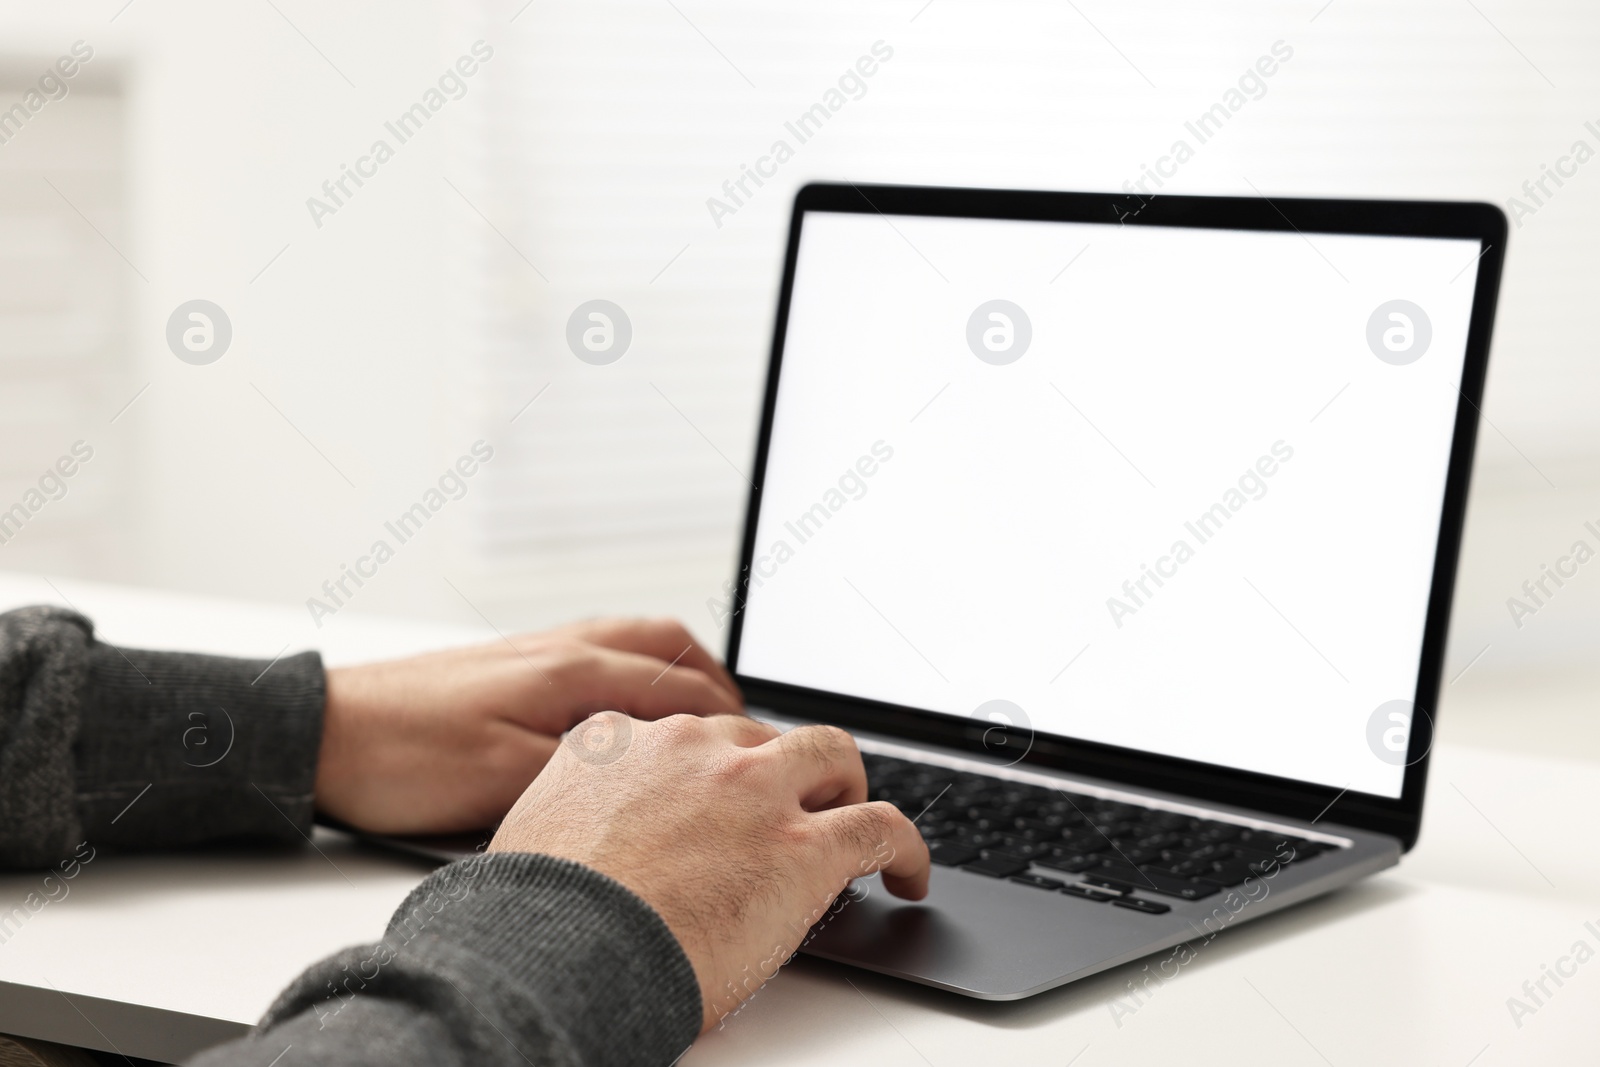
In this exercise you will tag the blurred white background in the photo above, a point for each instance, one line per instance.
(371, 350)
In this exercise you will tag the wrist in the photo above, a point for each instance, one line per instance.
(331, 785)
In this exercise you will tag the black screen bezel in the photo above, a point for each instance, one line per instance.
(1286, 797)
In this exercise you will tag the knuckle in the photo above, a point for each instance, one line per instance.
(735, 770)
(803, 743)
(862, 827)
(881, 818)
(837, 739)
(679, 727)
(651, 628)
(823, 743)
(666, 624)
(881, 826)
(530, 645)
(570, 658)
(601, 739)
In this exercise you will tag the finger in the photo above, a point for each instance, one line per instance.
(823, 765)
(742, 730)
(642, 686)
(864, 838)
(666, 639)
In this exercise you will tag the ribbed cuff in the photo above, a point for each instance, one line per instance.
(176, 748)
(593, 960)
(44, 666)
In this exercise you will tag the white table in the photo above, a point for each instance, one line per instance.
(1412, 967)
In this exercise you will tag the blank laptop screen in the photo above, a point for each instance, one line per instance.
(1172, 489)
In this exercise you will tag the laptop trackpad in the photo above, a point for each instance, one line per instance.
(984, 937)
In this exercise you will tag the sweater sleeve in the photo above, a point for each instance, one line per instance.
(494, 961)
(135, 749)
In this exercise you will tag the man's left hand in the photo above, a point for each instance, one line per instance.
(448, 741)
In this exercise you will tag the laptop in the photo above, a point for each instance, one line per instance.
(1121, 532)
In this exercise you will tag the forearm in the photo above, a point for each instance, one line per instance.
(508, 959)
(135, 749)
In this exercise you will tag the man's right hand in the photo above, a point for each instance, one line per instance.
(739, 836)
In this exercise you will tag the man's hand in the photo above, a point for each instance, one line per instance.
(447, 741)
(740, 837)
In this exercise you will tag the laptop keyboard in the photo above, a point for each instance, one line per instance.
(1032, 835)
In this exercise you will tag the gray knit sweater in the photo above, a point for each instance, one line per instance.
(504, 959)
